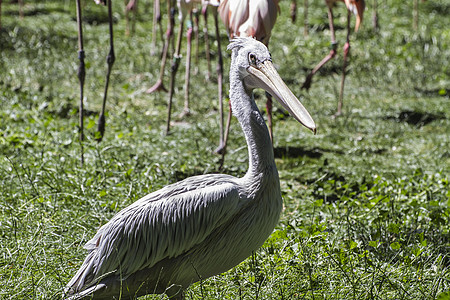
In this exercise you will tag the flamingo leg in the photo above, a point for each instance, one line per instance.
(186, 111)
(222, 143)
(375, 23)
(415, 14)
(269, 114)
(344, 66)
(81, 75)
(159, 86)
(173, 73)
(196, 22)
(156, 21)
(293, 10)
(305, 18)
(307, 83)
(110, 61)
(206, 36)
(133, 20)
(21, 8)
(131, 6)
(221, 149)
(127, 19)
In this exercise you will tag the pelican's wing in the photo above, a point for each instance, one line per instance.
(164, 224)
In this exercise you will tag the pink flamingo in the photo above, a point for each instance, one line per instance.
(357, 7)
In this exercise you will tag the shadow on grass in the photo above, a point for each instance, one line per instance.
(433, 92)
(293, 152)
(324, 26)
(67, 110)
(180, 175)
(416, 118)
(92, 17)
(36, 11)
(24, 36)
(436, 7)
(96, 18)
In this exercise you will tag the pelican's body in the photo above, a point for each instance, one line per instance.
(190, 240)
(203, 225)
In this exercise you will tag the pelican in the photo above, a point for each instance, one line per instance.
(203, 225)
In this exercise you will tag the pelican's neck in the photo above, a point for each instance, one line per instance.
(261, 159)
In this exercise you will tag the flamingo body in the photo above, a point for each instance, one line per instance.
(357, 7)
(353, 6)
(249, 18)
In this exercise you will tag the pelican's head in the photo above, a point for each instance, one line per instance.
(257, 71)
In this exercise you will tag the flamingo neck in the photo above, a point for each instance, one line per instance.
(260, 150)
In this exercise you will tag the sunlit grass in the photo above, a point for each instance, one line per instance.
(366, 199)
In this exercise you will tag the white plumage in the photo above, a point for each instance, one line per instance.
(249, 18)
(203, 225)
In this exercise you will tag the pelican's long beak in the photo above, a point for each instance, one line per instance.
(266, 77)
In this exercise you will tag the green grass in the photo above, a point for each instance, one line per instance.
(367, 200)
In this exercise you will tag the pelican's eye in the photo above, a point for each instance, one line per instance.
(252, 59)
